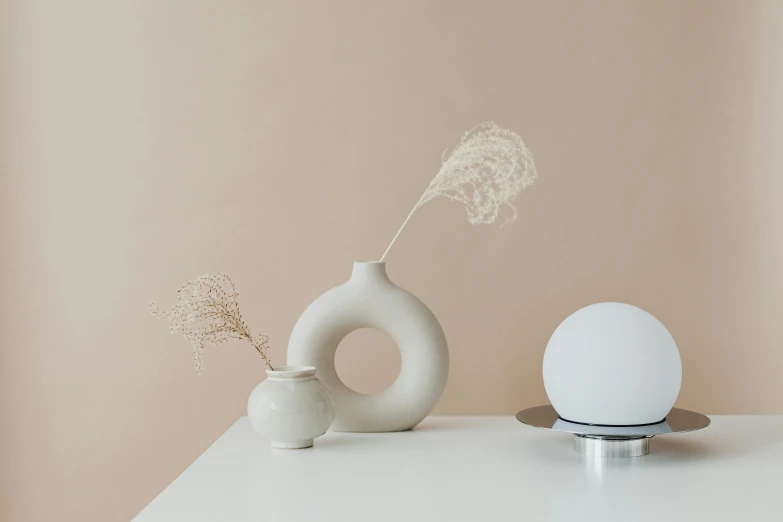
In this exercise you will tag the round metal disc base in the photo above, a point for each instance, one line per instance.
(613, 441)
(603, 447)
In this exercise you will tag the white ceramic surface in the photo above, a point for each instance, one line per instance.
(370, 300)
(291, 407)
(488, 469)
(612, 364)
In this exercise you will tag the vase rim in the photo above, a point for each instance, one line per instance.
(369, 271)
(291, 372)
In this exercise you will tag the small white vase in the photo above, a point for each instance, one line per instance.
(370, 300)
(291, 407)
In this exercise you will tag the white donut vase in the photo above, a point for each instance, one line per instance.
(370, 300)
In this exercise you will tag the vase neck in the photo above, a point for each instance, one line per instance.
(291, 373)
(369, 271)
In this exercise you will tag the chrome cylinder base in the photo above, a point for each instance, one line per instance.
(605, 447)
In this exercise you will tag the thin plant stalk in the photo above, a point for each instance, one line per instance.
(400, 230)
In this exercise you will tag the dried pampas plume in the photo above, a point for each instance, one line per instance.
(207, 312)
(487, 170)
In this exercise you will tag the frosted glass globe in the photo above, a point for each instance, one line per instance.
(612, 364)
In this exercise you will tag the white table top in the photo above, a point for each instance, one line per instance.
(482, 468)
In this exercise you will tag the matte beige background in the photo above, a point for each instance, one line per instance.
(146, 142)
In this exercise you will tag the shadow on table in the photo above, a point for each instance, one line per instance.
(342, 440)
(466, 423)
(680, 449)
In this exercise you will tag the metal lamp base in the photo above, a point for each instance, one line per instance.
(613, 441)
(603, 447)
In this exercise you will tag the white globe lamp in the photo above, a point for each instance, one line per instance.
(612, 364)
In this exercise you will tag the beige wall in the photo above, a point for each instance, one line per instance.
(145, 142)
